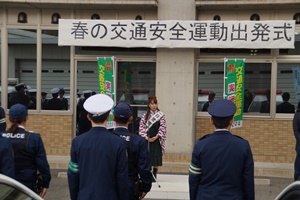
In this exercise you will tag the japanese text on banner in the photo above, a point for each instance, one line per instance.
(177, 34)
(234, 88)
(106, 81)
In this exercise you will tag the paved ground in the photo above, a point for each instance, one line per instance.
(172, 187)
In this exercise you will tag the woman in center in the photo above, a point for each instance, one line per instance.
(153, 129)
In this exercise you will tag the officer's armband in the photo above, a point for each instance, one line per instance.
(73, 167)
(195, 170)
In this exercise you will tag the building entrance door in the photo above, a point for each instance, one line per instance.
(134, 82)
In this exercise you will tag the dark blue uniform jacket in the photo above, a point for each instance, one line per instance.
(29, 156)
(139, 162)
(222, 168)
(98, 168)
(6, 158)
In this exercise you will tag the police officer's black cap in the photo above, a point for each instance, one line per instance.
(19, 86)
(62, 90)
(222, 108)
(44, 93)
(18, 111)
(122, 110)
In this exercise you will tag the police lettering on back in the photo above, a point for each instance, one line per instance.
(11, 135)
(126, 138)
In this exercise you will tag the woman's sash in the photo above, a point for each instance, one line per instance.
(156, 117)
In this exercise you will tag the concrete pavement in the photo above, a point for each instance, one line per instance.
(284, 170)
(271, 179)
(172, 187)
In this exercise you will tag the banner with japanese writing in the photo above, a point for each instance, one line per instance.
(234, 87)
(177, 33)
(106, 81)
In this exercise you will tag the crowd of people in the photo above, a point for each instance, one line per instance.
(122, 164)
(264, 106)
(28, 98)
(127, 174)
(133, 158)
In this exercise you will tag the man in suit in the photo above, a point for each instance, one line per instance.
(285, 106)
(211, 98)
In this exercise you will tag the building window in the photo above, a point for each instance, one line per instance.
(55, 72)
(255, 17)
(296, 17)
(217, 18)
(135, 83)
(257, 84)
(22, 66)
(288, 81)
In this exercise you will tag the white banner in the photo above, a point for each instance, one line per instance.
(177, 34)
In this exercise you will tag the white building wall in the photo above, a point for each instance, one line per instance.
(175, 82)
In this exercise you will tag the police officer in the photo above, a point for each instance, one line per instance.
(44, 99)
(139, 162)
(6, 158)
(222, 165)
(63, 99)
(2, 120)
(29, 152)
(296, 130)
(98, 167)
(55, 103)
(211, 98)
(32, 98)
(83, 124)
(19, 96)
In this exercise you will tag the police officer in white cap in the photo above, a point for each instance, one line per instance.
(222, 165)
(32, 98)
(98, 167)
(55, 103)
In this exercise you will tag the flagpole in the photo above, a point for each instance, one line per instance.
(224, 84)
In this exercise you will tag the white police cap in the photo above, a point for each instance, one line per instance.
(87, 92)
(32, 90)
(20, 86)
(54, 90)
(98, 104)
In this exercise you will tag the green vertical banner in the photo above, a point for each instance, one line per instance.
(106, 81)
(234, 88)
(127, 83)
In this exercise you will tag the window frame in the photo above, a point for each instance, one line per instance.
(248, 59)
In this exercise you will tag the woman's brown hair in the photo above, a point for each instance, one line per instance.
(15, 124)
(150, 100)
